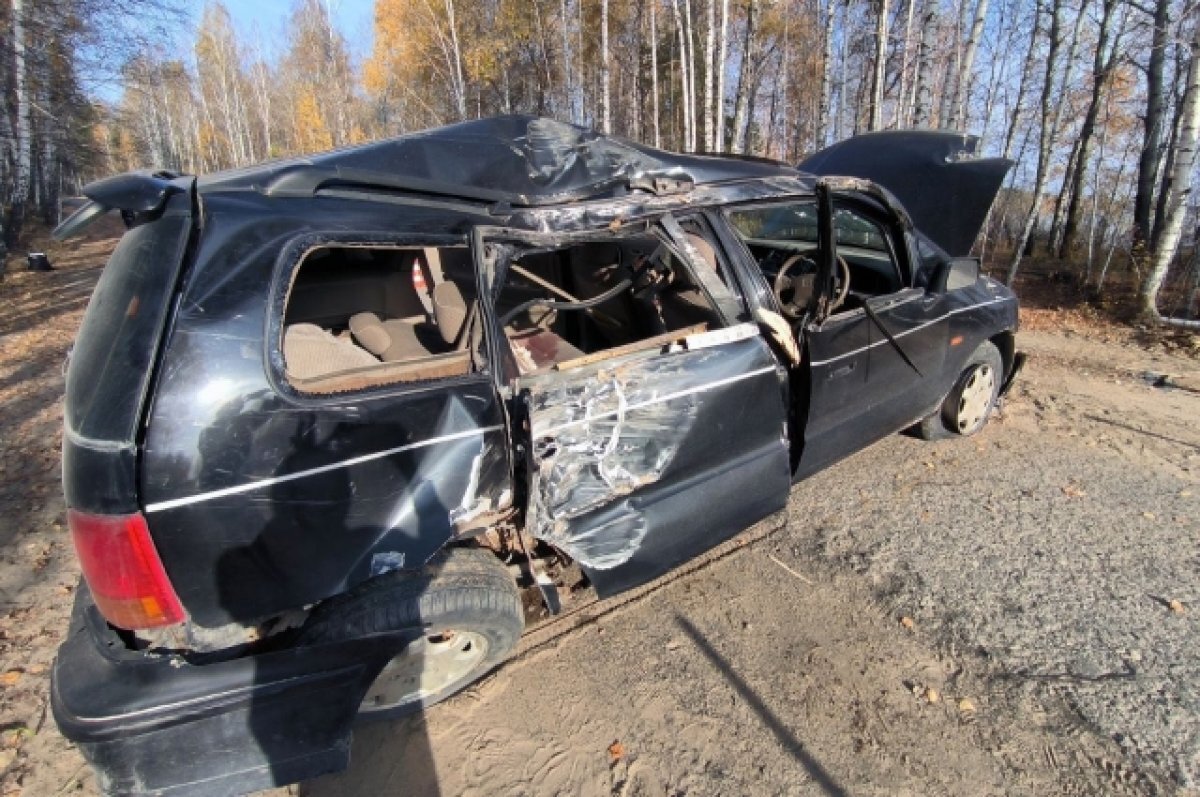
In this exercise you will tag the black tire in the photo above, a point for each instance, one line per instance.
(945, 421)
(464, 596)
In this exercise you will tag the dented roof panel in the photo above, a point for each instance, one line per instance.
(522, 160)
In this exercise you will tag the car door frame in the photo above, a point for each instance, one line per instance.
(711, 409)
(831, 424)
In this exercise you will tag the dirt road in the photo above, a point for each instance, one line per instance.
(1038, 565)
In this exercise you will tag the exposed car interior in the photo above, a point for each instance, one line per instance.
(786, 235)
(362, 316)
(559, 306)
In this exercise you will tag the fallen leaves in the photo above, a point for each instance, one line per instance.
(907, 623)
(616, 752)
(966, 706)
(13, 737)
(11, 677)
(932, 695)
(1074, 491)
(1176, 606)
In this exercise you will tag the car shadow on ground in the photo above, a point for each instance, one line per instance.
(1146, 432)
(820, 776)
(384, 754)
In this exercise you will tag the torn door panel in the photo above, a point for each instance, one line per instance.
(639, 428)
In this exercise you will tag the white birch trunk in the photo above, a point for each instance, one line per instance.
(819, 135)
(962, 87)
(654, 68)
(460, 86)
(741, 102)
(690, 95)
(710, 18)
(24, 141)
(875, 121)
(1179, 187)
(683, 75)
(923, 93)
(1045, 141)
(902, 101)
(566, 45)
(722, 53)
(605, 72)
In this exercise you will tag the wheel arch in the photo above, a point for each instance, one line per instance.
(1006, 342)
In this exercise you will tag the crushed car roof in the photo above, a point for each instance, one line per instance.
(524, 161)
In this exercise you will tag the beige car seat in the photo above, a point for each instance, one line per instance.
(396, 339)
(311, 352)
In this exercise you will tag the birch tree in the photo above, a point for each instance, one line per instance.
(746, 77)
(923, 94)
(1178, 188)
(875, 120)
(966, 71)
(1104, 62)
(1149, 158)
(1046, 140)
(14, 216)
(722, 53)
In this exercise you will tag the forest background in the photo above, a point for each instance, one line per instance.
(1097, 101)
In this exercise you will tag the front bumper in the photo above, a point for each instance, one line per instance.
(153, 724)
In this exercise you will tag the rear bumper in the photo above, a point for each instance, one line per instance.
(159, 725)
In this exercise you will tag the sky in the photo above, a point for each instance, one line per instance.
(258, 22)
(268, 18)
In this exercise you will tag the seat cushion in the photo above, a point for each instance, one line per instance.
(394, 340)
(310, 352)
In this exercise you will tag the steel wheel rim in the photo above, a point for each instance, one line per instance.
(975, 400)
(426, 667)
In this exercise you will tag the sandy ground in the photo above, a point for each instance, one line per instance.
(974, 617)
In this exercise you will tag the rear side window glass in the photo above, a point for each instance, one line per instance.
(114, 351)
(362, 316)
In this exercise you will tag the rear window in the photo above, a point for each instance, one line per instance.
(111, 361)
(358, 317)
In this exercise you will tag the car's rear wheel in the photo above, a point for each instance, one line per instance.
(464, 608)
(971, 401)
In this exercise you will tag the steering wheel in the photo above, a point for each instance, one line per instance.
(801, 289)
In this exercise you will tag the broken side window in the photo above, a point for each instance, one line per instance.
(779, 232)
(361, 316)
(570, 305)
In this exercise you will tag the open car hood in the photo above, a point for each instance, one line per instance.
(946, 189)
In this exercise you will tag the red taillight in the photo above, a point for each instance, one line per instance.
(123, 571)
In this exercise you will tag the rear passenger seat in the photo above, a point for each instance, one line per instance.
(311, 352)
(399, 339)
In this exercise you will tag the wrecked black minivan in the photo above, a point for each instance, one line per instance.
(330, 421)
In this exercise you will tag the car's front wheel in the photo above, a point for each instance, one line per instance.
(465, 610)
(971, 401)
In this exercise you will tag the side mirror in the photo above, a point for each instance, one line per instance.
(961, 272)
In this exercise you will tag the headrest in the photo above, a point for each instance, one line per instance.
(368, 331)
(449, 311)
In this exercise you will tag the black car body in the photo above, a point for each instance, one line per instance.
(301, 377)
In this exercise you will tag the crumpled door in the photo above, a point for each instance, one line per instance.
(641, 462)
